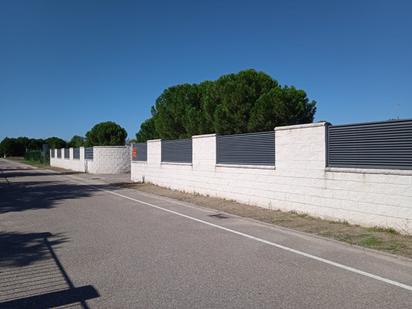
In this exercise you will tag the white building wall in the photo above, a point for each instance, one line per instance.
(301, 182)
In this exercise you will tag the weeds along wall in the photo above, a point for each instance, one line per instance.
(94, 160)
(299, 181)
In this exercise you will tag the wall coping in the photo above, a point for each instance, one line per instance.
(248, 166)
(110, 146)
(176, 163)
(301, 126)
(204, 135)
(368, 171)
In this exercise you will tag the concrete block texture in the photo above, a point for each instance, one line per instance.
(109, 160)
(299, 182)
(106, 160)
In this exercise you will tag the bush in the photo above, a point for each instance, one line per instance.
(37, 156)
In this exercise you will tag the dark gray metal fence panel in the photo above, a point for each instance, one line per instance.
(66, 153)
(246, 149)
(179, 151)
(384, 145)
(139, 152)
(59, 153)
(76, 153)
(88, 153)
(52, 152)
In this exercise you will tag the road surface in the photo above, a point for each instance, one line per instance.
(75, 240)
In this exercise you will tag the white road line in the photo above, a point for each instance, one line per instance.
(310, 256)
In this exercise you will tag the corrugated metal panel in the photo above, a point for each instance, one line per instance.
(246, 149)
(88, 153)
(139, 152)
(66, 153)
(52, 153)
(76, 153)
(385, 145)
(179, 151)
(59, 153)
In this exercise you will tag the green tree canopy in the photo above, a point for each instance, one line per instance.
(36, 143)
(14, 146)
(147, 131)
(20, 145)
(106, 134)
(76, 141)
(55, 142)
(248, 101)
(280, 107)
(8, 147)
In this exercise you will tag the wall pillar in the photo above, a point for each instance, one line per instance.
(301, 148)
(204, 152)
(154, 152)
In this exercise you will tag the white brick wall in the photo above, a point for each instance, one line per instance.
(300, 181)
(106, 160)
(109, 160)
(71, 164)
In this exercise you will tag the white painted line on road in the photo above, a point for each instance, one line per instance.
(273, 244)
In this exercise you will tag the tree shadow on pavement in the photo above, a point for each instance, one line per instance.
(32, 276)
(30, 173)
(21, 196)
(16, 169)
(19, 249)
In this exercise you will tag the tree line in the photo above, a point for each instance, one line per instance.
(248, 101)
(102, 134)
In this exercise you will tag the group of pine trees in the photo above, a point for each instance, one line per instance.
(248, 101)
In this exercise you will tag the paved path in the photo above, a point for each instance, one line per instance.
(76, 240)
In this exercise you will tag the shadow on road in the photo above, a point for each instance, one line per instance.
(19, 249)
(32, 276)
(16, 169)
(30, 173)
(27, 195)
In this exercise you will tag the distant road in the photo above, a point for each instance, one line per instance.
(76, 240)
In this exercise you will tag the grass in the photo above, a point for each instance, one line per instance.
(378, 238)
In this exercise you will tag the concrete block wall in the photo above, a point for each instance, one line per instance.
(109, 160)
(299, 182)
(77, 165)
(106, 160)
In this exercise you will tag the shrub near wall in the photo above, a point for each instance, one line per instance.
(37, 156)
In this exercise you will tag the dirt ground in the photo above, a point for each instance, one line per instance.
(377, 238)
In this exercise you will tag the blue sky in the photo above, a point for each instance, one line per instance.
(66, 65)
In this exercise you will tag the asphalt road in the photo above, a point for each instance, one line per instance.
(76, 240)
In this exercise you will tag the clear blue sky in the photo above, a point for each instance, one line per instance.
(66, 65)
